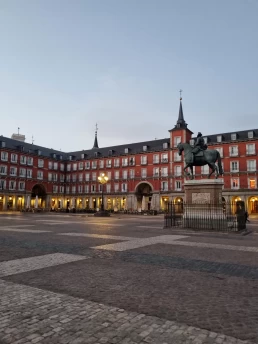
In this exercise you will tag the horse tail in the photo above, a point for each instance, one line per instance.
(219, 164)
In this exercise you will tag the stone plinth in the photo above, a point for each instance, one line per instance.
(203, 204)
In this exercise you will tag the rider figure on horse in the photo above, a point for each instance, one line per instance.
(199, 145)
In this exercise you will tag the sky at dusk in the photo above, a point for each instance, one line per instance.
(67, 64)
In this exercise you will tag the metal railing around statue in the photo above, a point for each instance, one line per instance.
(206, 216)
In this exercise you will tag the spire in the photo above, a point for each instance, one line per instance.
(96, 138)
(181, 124)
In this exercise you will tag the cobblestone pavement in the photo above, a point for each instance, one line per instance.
(163, 286)
(30, 315)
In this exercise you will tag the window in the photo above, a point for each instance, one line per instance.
(39, 152)
(144, 160)
(94, 176)
(125, 162)
(23, 159)
(3, 169)
(55, 189)
(191, 142)
(14, 158)
(178, 185)
(13, 171)
(124, 187)
(116, 174)
(81, 165)
(55, 165)
(62, 178)
(116, 187)
(12, 185)
(49, 177)
(75, 167)
(131, 174)
(30, 161)
(101, 164)
(155, 159)
(4, 156)
(54, 177)
(235, 183)
(80, 177)
(29, 173)
(155, 172)
(21, 186)
(74, 189)
(144, 173)
(250, 149)
(40, 163)
(109, 163)
(70, 157)
(108, 188)
(100, 187)
(219, 138)
(178, 170)
(87, 165)
(2, 144)
(126, 150)
(144, 148)
(165, 145)
(68, 177)
(116, 164)
(132, 161)
(22, 172)
(220, 150)
(109, 175)
(74, 177)
(205, 169)
(62, 189)
(96, 154)
(251, 165)
(39, 175)
(233, 150)
(110, 152)
(125, 174)
(250, 134)
(234, 166)
(2, 184)
(177, 157)
(164, 171)
(82, 156)
(80, 188)
(94, 165)
(50, 165)
(87, 188)
(177, 140)
(164, 157)
(87, 177)
(252, 183)
(233, 137)
(61, 167)
(67, 188)
(205, 139)
(164, 186)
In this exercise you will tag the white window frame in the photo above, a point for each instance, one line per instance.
(250, 151)
(205, 170)
(15, 171)
(156, 172)
(177, 170)
(164, 186)
(30, 161)
(177, 140)
(14, 158)
(164, 171)
(220, 150)
(234, 166)
(249, 184)
(40, 175)
(251, 169)
(232, 181)
(233, 137)
(116, 176)
(250, 134)
(41, 163)
(233, 150)
(144, 160)
(178, 185)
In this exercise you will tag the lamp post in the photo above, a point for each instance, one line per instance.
(103, 179)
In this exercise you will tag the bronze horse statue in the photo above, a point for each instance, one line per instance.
(203, 157)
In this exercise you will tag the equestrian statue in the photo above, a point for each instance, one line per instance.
(199, 155)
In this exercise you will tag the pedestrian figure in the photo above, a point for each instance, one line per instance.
(246, 217)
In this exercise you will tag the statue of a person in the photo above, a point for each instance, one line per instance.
(198, 145)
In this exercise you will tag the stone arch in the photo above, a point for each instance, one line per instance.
(38, 190)
(253, 204)
(144, 189)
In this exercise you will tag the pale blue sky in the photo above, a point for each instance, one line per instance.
(67, 64)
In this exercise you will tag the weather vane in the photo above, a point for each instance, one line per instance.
(180, 91)
(96, 127)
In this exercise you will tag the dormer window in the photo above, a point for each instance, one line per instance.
(82, 156)
(110, 152)
(95, 154)
(21, 148)
(3, 144)
(126, 150)
(145, 148)
(219, 138)
(70, 157)
(192, 142)
(39, 152)
(61, 157)
(54, 155)
(165, 145)
(233, 137)
(250, 134)
(205, 139)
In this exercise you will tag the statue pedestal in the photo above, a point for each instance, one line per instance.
(203, 205)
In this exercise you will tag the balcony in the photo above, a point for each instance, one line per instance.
(155, 174)
(165, 160)
(155, 161)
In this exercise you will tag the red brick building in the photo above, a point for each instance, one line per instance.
(141, 175)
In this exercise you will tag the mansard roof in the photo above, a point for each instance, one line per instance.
(226, 137)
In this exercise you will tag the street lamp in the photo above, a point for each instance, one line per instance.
(103, 179)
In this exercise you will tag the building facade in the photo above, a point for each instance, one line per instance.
(144, 175)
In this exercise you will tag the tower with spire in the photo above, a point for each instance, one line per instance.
(180, 132)
(95, 145)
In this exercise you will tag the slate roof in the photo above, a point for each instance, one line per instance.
(226, 137)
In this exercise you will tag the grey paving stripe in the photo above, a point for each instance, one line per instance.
(98, 236)
(31, 315)
(17, 266)
(22, 230)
